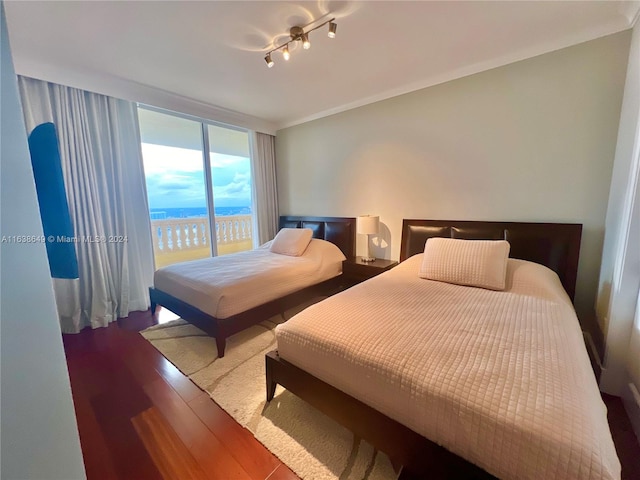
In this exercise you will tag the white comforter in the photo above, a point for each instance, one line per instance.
(502, 379)
(230, 284)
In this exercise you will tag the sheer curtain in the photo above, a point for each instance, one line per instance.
(265, 193)
(102, 167)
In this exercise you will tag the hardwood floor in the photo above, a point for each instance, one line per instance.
(624, 437)
(140, 418)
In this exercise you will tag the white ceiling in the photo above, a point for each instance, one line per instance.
(213, 52)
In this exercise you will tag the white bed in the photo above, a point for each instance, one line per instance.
(499, 378)
(230, 284)
(224, 295)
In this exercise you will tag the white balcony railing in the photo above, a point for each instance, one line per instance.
(182, 239)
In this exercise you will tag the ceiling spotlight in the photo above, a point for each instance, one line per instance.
(332, 30)
(297, 34)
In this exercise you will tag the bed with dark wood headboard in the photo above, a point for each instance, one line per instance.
(340, 231)
(554, 245)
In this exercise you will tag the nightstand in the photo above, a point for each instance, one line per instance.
(354, 270)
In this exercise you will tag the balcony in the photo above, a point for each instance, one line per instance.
(183, 239)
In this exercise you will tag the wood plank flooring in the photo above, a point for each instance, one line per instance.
(140, 418)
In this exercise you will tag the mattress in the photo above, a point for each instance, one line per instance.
(501, 379)
(230, 284)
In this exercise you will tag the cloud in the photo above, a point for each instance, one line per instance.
(219, 160)
(167, 190)
(239, 188)
(175, 178)
(175, 186)
(235, 188)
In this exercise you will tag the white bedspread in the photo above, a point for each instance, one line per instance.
(502, 379)
(230, 284)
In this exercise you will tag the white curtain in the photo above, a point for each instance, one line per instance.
(264, 188)
(102, 167)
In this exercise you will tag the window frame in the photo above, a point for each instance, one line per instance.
(206, 161)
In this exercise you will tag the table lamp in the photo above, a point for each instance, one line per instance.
(368, 225)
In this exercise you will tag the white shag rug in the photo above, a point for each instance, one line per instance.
(310, 443)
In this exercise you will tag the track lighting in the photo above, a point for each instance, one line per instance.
(332, 30)
(298, 34)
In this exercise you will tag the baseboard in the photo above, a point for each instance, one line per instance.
(591, 325)
(592, 350)
(631, 400)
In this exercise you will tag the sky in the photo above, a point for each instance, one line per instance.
(175, 178)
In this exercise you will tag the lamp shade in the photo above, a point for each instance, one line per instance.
(368, 224)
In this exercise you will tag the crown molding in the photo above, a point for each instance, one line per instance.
(631, 10)
(465, 71)
(118, 87)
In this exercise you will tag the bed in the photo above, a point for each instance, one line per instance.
(225, 295)
(454, 381)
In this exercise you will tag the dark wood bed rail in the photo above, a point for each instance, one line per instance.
(403, 445)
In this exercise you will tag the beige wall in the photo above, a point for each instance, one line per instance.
(530, 141)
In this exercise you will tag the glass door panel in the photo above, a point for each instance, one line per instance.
(231, 177)
(176, 190)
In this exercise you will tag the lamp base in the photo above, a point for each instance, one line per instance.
(368, 257)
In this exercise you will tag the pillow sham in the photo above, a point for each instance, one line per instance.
(291, 241)
(324, 251)
(475, 263)
(266, 245)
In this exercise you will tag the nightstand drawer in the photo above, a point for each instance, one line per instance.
(355, 270)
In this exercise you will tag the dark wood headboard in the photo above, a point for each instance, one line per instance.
(555, 245)
(340, 231)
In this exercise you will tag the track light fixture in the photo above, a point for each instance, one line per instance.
(298, 34)
(332, 30)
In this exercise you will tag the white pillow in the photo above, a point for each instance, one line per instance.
(476, 263)
(324, 251)
(266, 246)
(291, 241)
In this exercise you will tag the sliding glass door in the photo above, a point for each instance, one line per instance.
(198, 179)
(231, 177)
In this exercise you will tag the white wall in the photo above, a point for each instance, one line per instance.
(530, 141)
(39, 435)
(620, 274)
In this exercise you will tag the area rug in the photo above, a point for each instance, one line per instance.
(310, 443)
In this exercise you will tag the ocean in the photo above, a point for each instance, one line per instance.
(162, 213)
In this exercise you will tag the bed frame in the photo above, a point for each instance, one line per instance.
(337, 230)
(552, 244)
